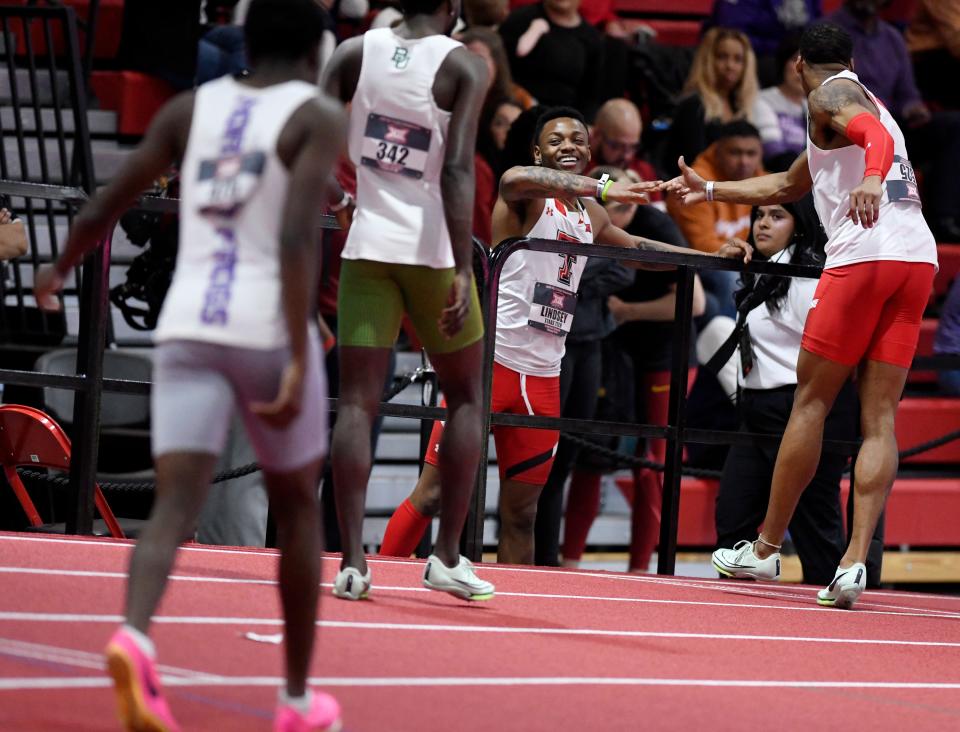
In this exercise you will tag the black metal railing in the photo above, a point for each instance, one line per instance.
(90, 384)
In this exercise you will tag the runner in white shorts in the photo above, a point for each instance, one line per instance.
(235, 331)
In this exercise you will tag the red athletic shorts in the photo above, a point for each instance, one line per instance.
(869, 310)
(524, 455)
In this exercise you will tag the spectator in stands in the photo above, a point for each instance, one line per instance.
(580, 372)
(643, 311)
(495, 121)
(555, 54)
(772, 313)
(503, 104)
(485, 13)
(707, 226)
(722, 87)
(934, 40)
(766, 23)
(933, 138)
(780, 112)
(615, 139)
(947, 341)
(488, 45)
(221, 50)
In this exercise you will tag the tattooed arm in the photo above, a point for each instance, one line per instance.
(833, 105)
(534, 181)
(841, 111)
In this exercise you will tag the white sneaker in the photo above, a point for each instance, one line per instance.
(847, 586)
(351, 585)
(459, 581)
(741, 563)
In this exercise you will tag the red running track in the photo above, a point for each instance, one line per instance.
(554, 650)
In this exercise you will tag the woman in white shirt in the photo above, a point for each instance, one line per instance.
(769, 338)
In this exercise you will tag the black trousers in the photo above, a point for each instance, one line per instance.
(817, 527)
(580, 377)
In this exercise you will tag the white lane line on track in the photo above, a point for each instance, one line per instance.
(687, 582)
(74, 657)
(907, 611)
(33, 683)
(441, 628)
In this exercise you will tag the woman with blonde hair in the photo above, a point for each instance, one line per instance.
(721, 87)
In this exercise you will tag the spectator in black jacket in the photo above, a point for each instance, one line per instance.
(555, 55)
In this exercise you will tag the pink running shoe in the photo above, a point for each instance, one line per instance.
(324, 716)
(140, 703)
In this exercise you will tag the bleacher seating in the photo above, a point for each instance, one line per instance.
(921, 512)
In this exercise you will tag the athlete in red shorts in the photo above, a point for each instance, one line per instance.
(881, 259)
(537, 304)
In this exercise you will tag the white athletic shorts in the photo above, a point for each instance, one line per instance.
(197, 386)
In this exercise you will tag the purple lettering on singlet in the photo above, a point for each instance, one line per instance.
(217, 298)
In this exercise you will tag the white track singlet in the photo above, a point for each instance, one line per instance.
(397, 141)
(538, 294)
(226, 286)
(901, 233)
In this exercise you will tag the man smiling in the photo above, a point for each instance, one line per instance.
(537, 304)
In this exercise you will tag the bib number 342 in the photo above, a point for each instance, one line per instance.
(395, 146)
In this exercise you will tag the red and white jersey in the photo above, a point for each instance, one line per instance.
(901, 233)
(538, 294)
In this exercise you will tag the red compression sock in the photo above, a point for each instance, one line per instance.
(404, 531)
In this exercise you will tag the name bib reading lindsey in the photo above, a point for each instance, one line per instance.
(552, 309)
(395, 146)
(901, 182)
(224, 185)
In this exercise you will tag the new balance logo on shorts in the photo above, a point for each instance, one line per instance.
(814, 302)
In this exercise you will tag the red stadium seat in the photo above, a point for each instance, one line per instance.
(134, 96)
(922, 419)
(29, 437)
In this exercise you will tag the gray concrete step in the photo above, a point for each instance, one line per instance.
(45, 85)
(99, 121)
(108, 156)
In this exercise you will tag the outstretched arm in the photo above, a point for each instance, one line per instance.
(534, 181)
(161, 147)
(607, 233)
(784, 187)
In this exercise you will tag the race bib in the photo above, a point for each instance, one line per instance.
(901, 182)
(224, 185)
(395, 146)
(552, 309)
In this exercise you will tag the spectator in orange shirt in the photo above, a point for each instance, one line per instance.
(736, 155)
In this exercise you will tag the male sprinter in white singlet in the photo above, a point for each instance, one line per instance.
(415, 100)
(537, 304)
(234, 332)
(881, 259)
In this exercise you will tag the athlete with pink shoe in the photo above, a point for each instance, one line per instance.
(235, 332)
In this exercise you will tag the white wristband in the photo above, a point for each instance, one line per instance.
(600, 184)
(344, 202)
(709, 190)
